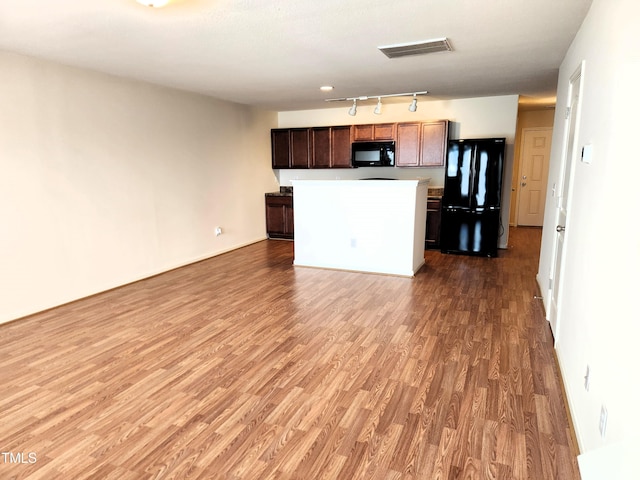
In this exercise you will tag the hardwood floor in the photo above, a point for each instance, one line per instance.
(244, 367)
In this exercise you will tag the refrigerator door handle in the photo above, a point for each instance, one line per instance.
(473, 175)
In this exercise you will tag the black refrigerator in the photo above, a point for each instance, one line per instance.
(471, 199)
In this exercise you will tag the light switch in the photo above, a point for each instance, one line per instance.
(587, 153)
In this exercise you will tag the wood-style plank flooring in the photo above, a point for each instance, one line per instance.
(244, 367)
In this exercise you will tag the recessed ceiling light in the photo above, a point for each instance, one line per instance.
(153, 3)
(326, 88)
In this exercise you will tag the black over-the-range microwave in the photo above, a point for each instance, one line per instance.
(373, 154)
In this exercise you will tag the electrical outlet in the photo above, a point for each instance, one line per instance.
(603, 420)
(586, 379)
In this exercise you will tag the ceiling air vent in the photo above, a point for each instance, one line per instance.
(418, 48)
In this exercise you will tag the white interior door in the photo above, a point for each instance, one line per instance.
(562, 214)
(534, 172)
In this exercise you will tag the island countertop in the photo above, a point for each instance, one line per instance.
(367, 226)
(388, 182)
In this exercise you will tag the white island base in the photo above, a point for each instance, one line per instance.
(360, 225)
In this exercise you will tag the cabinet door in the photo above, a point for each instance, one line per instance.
(275, 220)
(321, 147)
(432, 239)
(384, 131)
(280, 148)
(363, 133)
(288, 220)
(408, 144)
(279, 217)
(299, 148)
(341, 147)
(374, 132)
(434, 137)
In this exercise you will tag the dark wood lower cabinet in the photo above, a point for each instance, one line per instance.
(279, 214)
(434, 215)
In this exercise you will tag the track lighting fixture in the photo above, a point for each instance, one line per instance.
(414, 104)
(378, 109)
(354, 108)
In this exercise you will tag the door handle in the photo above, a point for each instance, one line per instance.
(560, 228)
(523, 184)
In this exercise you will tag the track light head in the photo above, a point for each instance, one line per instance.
(414, 104)
(354, 108)
(378, 109)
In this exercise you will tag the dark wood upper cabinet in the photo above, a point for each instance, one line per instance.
(300, 148)
(330, 147)
(290, 148)
(422, 144)
(418, 144)
(374, 132)
(384, 131)
(341, 147)
(317, 147)
(321, 147)
(408, 144)
(362, 133)
(434, 138)
(280, 148)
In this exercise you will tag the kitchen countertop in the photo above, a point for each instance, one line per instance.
(279, 194)
(432, 192)
(435, 192)
(283, 192)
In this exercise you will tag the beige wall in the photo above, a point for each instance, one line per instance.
(106, 181)
(598, 324)
(526, 119)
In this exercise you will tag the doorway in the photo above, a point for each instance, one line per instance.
(534, 171)
(564, 197)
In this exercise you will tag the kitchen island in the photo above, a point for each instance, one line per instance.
(360, 225)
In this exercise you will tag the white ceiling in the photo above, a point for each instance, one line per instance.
(276, 54)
